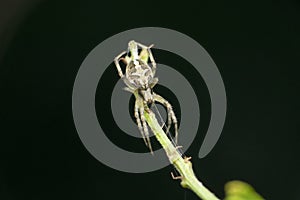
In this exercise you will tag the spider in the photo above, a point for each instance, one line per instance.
(139, 79)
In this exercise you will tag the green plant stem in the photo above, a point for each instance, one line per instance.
(183, 165)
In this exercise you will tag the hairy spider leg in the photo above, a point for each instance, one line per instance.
(138, 121)
(126, 60)
(171, 114)
(149, 54)
(146, 131)
(130, 87)
(154, 82)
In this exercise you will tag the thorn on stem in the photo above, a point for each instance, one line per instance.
(175, 177)
(187, 159)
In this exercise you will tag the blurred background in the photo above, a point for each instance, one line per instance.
(42, 45)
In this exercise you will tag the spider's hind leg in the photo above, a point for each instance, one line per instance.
(138, 121)
(146, 131)
(141, 122)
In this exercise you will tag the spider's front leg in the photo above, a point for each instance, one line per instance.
(171, 114)
(145, 54)
(152, 60)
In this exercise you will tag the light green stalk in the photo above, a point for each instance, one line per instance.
(235, 190)
(183, 165)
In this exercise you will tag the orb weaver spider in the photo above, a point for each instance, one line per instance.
(139, 79)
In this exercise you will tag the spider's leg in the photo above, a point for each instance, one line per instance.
(146, 131)
(171, 114)
(144, 55)
(116, 60)
(126, 60)
(138, 120)
(152, 61)
(128, 89)
(162, 101)
(154, 82)
(150, 56)
(129, 85)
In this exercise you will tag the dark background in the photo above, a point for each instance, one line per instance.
(43, 43)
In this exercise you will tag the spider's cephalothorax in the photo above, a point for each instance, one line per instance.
(139, 79)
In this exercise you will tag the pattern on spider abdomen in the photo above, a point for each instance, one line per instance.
(139, 73)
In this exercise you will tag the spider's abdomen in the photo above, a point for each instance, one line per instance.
(139, 73)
